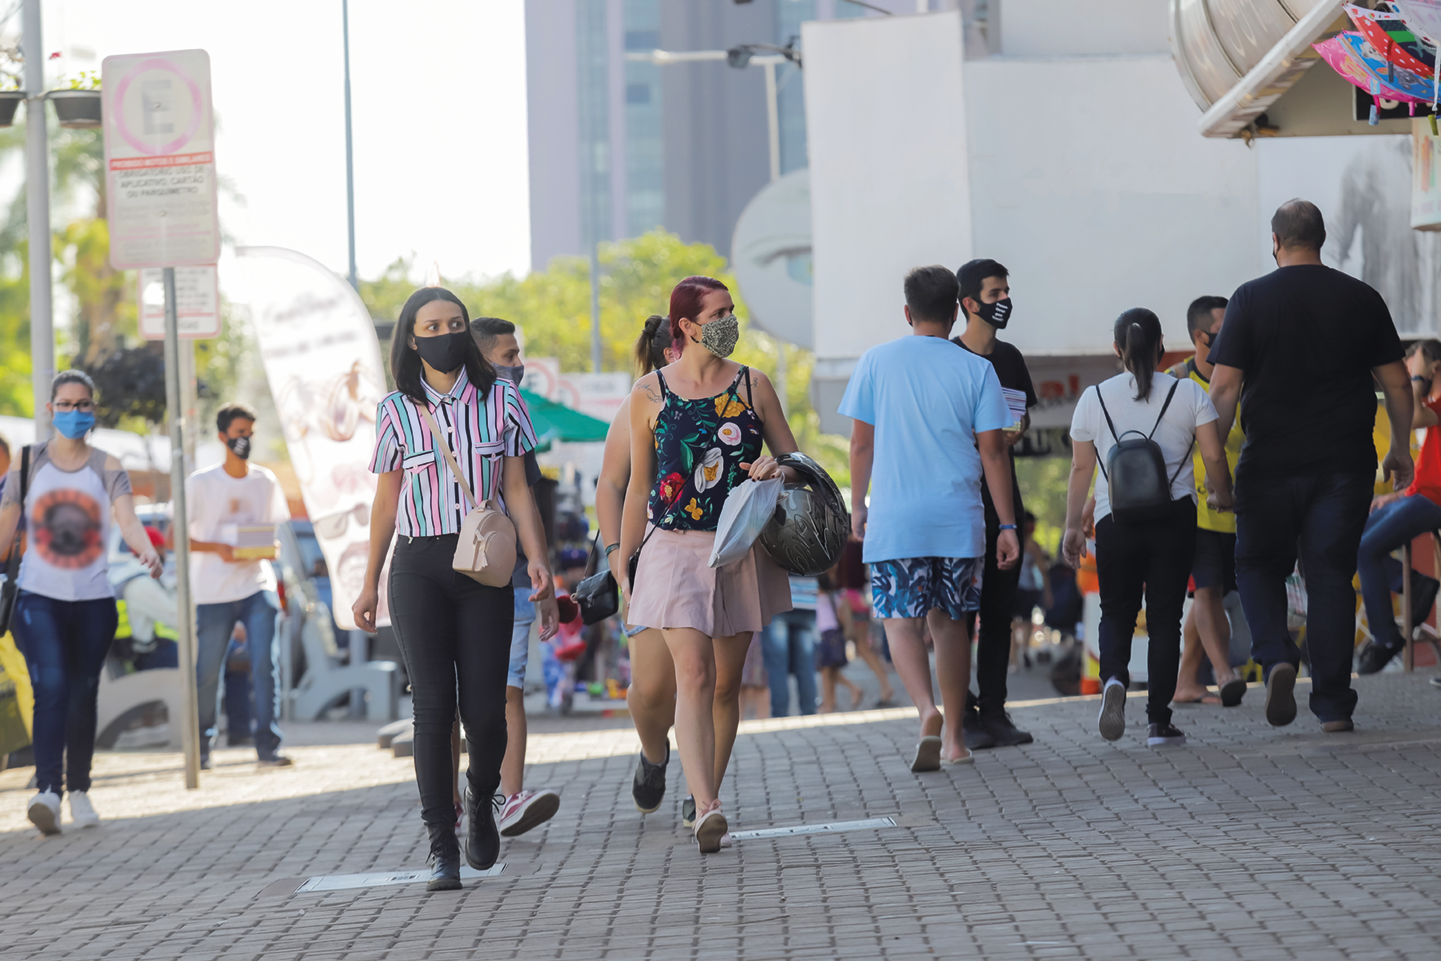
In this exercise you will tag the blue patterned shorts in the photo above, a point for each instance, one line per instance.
(913, 586)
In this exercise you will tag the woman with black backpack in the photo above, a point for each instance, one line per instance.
(1139, 428)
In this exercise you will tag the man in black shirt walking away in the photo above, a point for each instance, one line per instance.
(1299, 348)
(985, 296)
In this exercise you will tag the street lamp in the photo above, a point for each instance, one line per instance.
(740, 57)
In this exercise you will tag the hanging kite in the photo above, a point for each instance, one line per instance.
(1394, 40)
(1353, 57)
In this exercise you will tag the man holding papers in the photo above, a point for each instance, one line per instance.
(985, 295)
(234, 508)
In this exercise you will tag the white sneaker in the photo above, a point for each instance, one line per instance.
(82, 812)
(1112, 721)
(526, 810)
(44, 812)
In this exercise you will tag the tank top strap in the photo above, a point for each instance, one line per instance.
(664, 387)
(744, 372)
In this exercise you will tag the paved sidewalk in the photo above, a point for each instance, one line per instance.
(1249, 843)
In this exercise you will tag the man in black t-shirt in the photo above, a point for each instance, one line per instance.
(986, 300)
(1300, 348)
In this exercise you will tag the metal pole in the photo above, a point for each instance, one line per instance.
(349, 153)
(595, 307)
(37, 212)
(189, 403)
(189, 721)
(773, 120)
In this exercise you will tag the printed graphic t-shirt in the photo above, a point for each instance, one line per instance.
(927, 399)
(67, 515)
(1011, 370)
(218, 504)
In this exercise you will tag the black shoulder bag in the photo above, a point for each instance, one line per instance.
(11, 589)
(598, 596)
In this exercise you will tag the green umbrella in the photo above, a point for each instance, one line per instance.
(554, 421)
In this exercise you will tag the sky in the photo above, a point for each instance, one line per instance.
(438, 113)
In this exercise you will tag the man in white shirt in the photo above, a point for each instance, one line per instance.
(233, 511)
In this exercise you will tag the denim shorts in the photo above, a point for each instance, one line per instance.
(914, 586)
(520, 637)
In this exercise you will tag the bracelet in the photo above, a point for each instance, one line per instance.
(611, 547)
(1008, 527)
(1418, 378)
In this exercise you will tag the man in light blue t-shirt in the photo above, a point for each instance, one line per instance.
(928, 418)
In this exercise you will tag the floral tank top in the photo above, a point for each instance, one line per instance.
(699, 447)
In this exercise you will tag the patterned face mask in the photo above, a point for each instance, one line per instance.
(720, 335)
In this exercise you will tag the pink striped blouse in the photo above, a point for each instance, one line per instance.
(480, 435)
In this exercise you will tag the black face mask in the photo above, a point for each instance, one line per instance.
(241, 447)
(997, 314)
(445, 352)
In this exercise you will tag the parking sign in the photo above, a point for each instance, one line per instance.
(160, 159)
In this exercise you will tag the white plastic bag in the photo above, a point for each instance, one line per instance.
(748, 508)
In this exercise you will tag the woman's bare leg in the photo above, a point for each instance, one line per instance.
(730, 659)
(651, 696)
(695, 734)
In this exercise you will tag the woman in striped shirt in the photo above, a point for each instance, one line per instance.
(453, 631)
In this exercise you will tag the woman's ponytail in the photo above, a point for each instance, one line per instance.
(651, 346)
(1138, 336)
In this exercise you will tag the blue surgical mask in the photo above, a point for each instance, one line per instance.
(74, 424)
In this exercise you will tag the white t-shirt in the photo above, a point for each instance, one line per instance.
(1190, 408)
(217, 504)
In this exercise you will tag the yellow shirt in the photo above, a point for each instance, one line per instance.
(1207, 519)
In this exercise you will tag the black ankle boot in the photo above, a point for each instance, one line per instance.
(482, 839)
(444, 859)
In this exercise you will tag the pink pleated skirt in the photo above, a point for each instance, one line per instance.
(675, 587)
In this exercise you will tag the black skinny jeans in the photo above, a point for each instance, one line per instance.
(998, 601)
(1154, 559)
(452, 631)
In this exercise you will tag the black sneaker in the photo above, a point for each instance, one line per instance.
(977, 736)
(1003, 733)
(1165, 735)
(1373, 657)
(648, 787)
(687, 813)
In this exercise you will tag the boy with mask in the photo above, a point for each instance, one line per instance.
(523, 809)
(985, 296)
(219, 501)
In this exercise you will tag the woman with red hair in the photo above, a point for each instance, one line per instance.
(697, 426)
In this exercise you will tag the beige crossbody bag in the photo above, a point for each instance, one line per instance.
(486, 549)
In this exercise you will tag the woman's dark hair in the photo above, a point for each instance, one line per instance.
(650, 347)
(72, 376)
(1138, 335)
(686, 301)
(1431, 348)
(405, 365)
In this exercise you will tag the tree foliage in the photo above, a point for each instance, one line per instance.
(552, 308)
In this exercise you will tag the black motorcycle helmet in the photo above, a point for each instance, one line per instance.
(811, 524)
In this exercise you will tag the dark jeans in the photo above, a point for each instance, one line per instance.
(64, 643)
(1318, 517)
(214, 625)
(1154, 559)
(452, 630)
(1387, 529)
(788, 646)
(993, 642)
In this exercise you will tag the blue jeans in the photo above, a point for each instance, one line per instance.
(1318, 517)
(64, 643)
(214, 625)
(788, 647)
(1387, 529)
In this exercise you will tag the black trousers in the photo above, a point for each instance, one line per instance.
(454, 634)
(993, 640)
(1155, 560)
(1319, 518)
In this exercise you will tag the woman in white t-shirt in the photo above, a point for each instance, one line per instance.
(65, 614)
(1152, 557)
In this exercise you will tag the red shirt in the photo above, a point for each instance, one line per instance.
(1428, 465)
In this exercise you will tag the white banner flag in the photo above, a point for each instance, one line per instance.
(322, 360)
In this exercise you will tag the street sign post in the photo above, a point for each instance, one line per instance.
(197, 302)
(160, 198)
